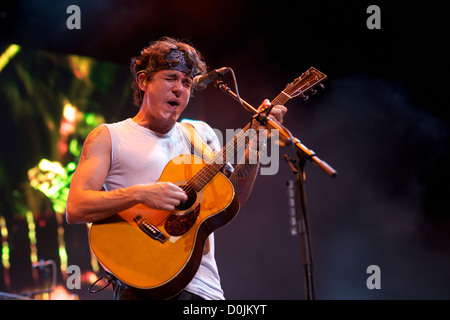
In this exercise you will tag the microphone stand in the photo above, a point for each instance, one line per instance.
(302, 153)
(297, 165)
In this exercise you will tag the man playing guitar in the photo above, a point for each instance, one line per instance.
(121, 163)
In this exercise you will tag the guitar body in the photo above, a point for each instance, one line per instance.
(164, 263)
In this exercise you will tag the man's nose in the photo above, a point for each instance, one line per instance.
(177, 87)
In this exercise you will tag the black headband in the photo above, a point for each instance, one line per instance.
(177, 61)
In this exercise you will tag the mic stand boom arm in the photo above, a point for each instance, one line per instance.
(284, 134)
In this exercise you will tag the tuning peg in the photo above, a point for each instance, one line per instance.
(305, 97)
(322, 86)
(313, 91)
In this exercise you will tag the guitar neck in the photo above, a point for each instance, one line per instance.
(241, 139)
(228, 152)
(306, 82)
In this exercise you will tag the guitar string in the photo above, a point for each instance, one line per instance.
(204, 175)
(213, 167)
(207, 172)
(210, 169)
(216, 163)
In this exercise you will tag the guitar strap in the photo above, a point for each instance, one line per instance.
(198, 145)
(200, 149)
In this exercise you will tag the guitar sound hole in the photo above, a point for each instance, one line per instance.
(180, 222)
(192, 197)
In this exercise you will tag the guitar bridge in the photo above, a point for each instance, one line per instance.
(150, 229)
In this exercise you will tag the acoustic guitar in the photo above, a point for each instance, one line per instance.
(161, 251)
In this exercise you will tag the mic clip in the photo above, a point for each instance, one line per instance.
(262, 116)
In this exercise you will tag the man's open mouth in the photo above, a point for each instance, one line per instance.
(173, 102)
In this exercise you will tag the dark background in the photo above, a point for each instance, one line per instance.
(381, 122)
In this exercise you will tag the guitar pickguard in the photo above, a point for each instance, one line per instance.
(178, 224)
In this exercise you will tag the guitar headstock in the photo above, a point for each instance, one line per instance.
(305, 83)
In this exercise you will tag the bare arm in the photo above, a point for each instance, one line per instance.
(243, 178)
(88, 203)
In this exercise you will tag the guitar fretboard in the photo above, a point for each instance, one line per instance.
(300, 86)
(227, 154)
(233, 147)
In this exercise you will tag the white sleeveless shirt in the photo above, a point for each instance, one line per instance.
(138, 156)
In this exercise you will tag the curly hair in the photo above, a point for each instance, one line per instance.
(154, 58)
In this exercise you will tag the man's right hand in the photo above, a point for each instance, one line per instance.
(160, 195)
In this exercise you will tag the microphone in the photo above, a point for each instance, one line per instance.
(201, 82)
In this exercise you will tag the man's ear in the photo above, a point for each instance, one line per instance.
(142, 81)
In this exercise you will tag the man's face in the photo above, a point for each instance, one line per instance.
(166, 96)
